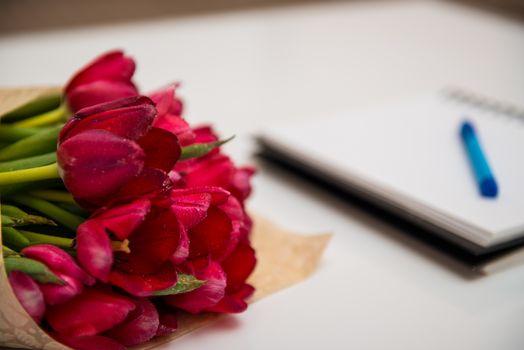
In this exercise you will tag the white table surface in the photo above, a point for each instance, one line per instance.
(375, 288)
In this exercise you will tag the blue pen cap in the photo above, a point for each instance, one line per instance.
(486, 181)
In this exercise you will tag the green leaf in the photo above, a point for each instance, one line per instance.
(30, 162)
(201, 149)
(14, 239)
(43, 142)
(34, 107)
(7, 221)
(33, 268)
(8, 252)
(184, 284)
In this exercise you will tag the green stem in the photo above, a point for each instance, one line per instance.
(10, 133)
(36, 238)
(56, 115)
(26, 175)
(54, 196)
(38, 105)
(12, 238)
(30, 162)
(43, 142)
(56, 213)
(9, 190)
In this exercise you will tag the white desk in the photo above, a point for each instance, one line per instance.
(375, 289)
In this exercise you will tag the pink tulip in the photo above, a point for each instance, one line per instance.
(28, 294)
(168, 324)
(115, 133)
(205, 296)
(105, 79)
(140, 326)
(89, 313)
(215, 169)
(169, 117)
(64, 267)
(154, 236)
(58, 261)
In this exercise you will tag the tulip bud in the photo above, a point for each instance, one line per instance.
(105, 79)
(28, 294)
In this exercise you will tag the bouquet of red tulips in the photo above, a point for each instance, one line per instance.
(117, 215)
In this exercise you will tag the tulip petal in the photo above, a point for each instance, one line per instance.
(168, 324)
(28, 294)
(151, 244)
(96, 163)
(169, 111)
(182, 251)
(123, 219)
(129, 117)
(212, 170)
(93, 342)
(177, 126)
(235, 302)
(166, 101)
(241, 185)
(94, 250)
(191, 204)
(140, 325)
(58, 261)
(145, 285)
(205, 296)
(190, 208)
(205, 134)
(150, 181)
(57, 294)
(92, 312)
(161, 148)
(211, 235)
(96, 92)
(111, 66)
(238, 266)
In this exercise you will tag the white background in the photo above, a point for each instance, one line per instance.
(375, 288)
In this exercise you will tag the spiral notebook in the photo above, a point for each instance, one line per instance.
(408, 159)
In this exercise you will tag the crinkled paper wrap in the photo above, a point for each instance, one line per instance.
(284, 258)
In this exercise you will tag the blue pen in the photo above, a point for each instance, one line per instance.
(485, 179)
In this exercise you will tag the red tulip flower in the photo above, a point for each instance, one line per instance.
(219, 253)
(90, 313)
(105, 79)
(28, 294)
(101, 319)
(192, 230)
(169, 117)
(156, 242)
(64, 267)
(215, 168)
(35, 295)
(112, 148)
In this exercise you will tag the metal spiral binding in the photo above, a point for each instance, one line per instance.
(462, 96)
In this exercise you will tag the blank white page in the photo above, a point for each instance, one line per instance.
(412, 153)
